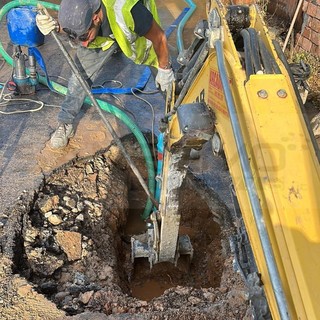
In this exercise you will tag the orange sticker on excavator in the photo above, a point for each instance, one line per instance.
(216, 96)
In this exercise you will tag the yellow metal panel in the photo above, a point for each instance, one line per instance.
(293, 178)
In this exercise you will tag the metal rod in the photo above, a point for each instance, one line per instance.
(252, 192)
(86, 88)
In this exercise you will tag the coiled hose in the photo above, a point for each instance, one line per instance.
(102, 104)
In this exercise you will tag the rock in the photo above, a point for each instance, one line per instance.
(48, 214)
(182, 290)
(89, 168)
(71, 203)
(31, 234)
(86, 296)
(80, 217)
(48, 203)
(70, 242)
(43, 263)
(80, 206)
(209, 296)
(48, 287)
(55, 219)
(79, 278)
(61, 295)
(106, 273)
(194, 300)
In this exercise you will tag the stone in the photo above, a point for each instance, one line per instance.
(48, 203)
(61, 295)
(80, 217)
(106, 272)
(85, 296)
(70, 243)
(48, 214)
(194, 300)
(89, 168)
(31, 234)
(54, 219)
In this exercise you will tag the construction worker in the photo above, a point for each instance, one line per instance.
(95, 25)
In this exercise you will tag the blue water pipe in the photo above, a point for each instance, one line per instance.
(160, 150)
(182, 24)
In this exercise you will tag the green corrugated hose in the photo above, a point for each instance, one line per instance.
(102, 104)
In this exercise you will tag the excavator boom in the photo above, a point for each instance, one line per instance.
(237, 88)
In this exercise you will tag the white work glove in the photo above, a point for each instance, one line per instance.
(46, 23)
(164, 78)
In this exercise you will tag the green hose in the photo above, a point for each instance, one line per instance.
(103, 104)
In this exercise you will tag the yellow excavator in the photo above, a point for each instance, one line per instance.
(235, 89)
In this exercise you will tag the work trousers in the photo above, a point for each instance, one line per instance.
(89, 62)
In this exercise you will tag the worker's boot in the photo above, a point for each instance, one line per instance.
(61, 136)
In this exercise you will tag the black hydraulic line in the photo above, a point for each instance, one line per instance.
(255, 49)
(114, 135)
(189, 66)
(194, 71)
(247, 52)
(303, 110)
(265, 57)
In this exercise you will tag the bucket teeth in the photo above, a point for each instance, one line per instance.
(142, 247)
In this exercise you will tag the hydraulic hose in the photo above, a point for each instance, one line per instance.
(254, 49)
(247, 52)
(102, 104)
(193, 72)
(250, 186)
(265, 57)
(182, 24)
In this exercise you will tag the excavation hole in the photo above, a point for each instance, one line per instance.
(76, 250)
(205, 235)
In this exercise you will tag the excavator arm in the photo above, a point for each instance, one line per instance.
(235, 88)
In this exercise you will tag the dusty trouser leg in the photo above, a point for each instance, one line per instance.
(89, 62)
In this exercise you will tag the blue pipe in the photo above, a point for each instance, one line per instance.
(251, 188)
(182, 24)
(160, 147)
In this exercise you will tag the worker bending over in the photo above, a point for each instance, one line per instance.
(95, 25)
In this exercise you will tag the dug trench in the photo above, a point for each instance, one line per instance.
(70, 241)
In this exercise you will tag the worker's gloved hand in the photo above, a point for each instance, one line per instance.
(46, 23)
(164, 78)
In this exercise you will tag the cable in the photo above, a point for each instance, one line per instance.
(7, 98)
